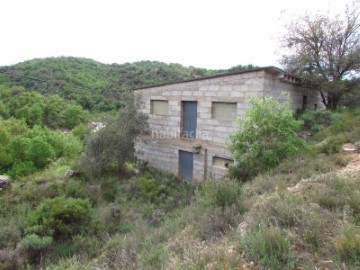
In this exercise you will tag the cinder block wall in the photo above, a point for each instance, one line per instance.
(161, 147)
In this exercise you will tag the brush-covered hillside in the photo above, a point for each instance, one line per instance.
(302, 213)
(94, 85)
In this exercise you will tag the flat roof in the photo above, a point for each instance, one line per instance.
(269, 68)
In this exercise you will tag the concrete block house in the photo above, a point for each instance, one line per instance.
(190, 120)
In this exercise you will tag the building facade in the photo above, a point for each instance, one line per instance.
(190, 121)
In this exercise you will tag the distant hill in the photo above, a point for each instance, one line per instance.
(94, 85)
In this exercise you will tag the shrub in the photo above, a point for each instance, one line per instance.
(269, 246)
(150, 188)
(65, 249)
(216, 221)
(34, 246)
(61, 217)
(265, 137)
(315, 121)
(88, 246)
(333, 144)
(113, 145)
(222, 193)
(40, 152)
(35, 242)
(347, 245)
(21, 168)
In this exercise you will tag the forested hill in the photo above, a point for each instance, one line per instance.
(92, 84)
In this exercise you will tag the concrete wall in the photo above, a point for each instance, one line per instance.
(161, 147)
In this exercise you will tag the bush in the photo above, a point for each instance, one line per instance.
(35, 246)
(265, 137)
(222, 193)
(347, 246)
(112, 146)
(35, 242)
(21, 168)
(37, 147)
(314, 121)
(270, 248)
(216, 221)
(61, 217)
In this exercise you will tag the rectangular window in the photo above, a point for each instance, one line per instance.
(224, 110)
(160, 107)
(223, 163)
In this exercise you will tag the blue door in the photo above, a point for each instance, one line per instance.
(186, 164)
(189, 119)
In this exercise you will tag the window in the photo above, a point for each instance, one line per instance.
(160, 107)
(223, 163)
(224, 110)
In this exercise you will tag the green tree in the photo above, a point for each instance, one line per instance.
(113, 145)
(324, 50)
(264, 137)
(40, 152)
(29, 106)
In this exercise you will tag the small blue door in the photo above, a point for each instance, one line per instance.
(186, 164)
(189, 119)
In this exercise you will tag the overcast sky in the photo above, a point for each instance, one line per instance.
(210, 34)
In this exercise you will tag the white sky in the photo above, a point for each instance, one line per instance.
(210, 34)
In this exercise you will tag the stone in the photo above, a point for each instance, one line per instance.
(349, 147)
(71, 173)
(4, 182)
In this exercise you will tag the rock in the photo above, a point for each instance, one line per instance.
(243, 228)
(71, 173)
(5, 182)
(304, 134)
(349, 147)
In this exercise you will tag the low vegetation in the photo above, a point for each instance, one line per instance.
(297, 208)
(301, 212)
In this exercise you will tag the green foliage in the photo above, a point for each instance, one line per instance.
(221, 206)
(61, 217)
(21, 168)
(347, 245)
(27, 150)
(36, 109)
(150, 188)
(40, 152)
(93, 85)
(35, 242)
(35, 246)
(65, 249)
(314, 121)
(62, 113)
(80, 131)
(264, 138)
(334, 144)
(222, 193)
(269, 246)
(351, 98)
(113, 145)
(217, 221)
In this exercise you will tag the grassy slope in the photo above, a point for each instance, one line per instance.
(304, 213)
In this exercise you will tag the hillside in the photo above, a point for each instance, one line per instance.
(94, 85)
(302, 214)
